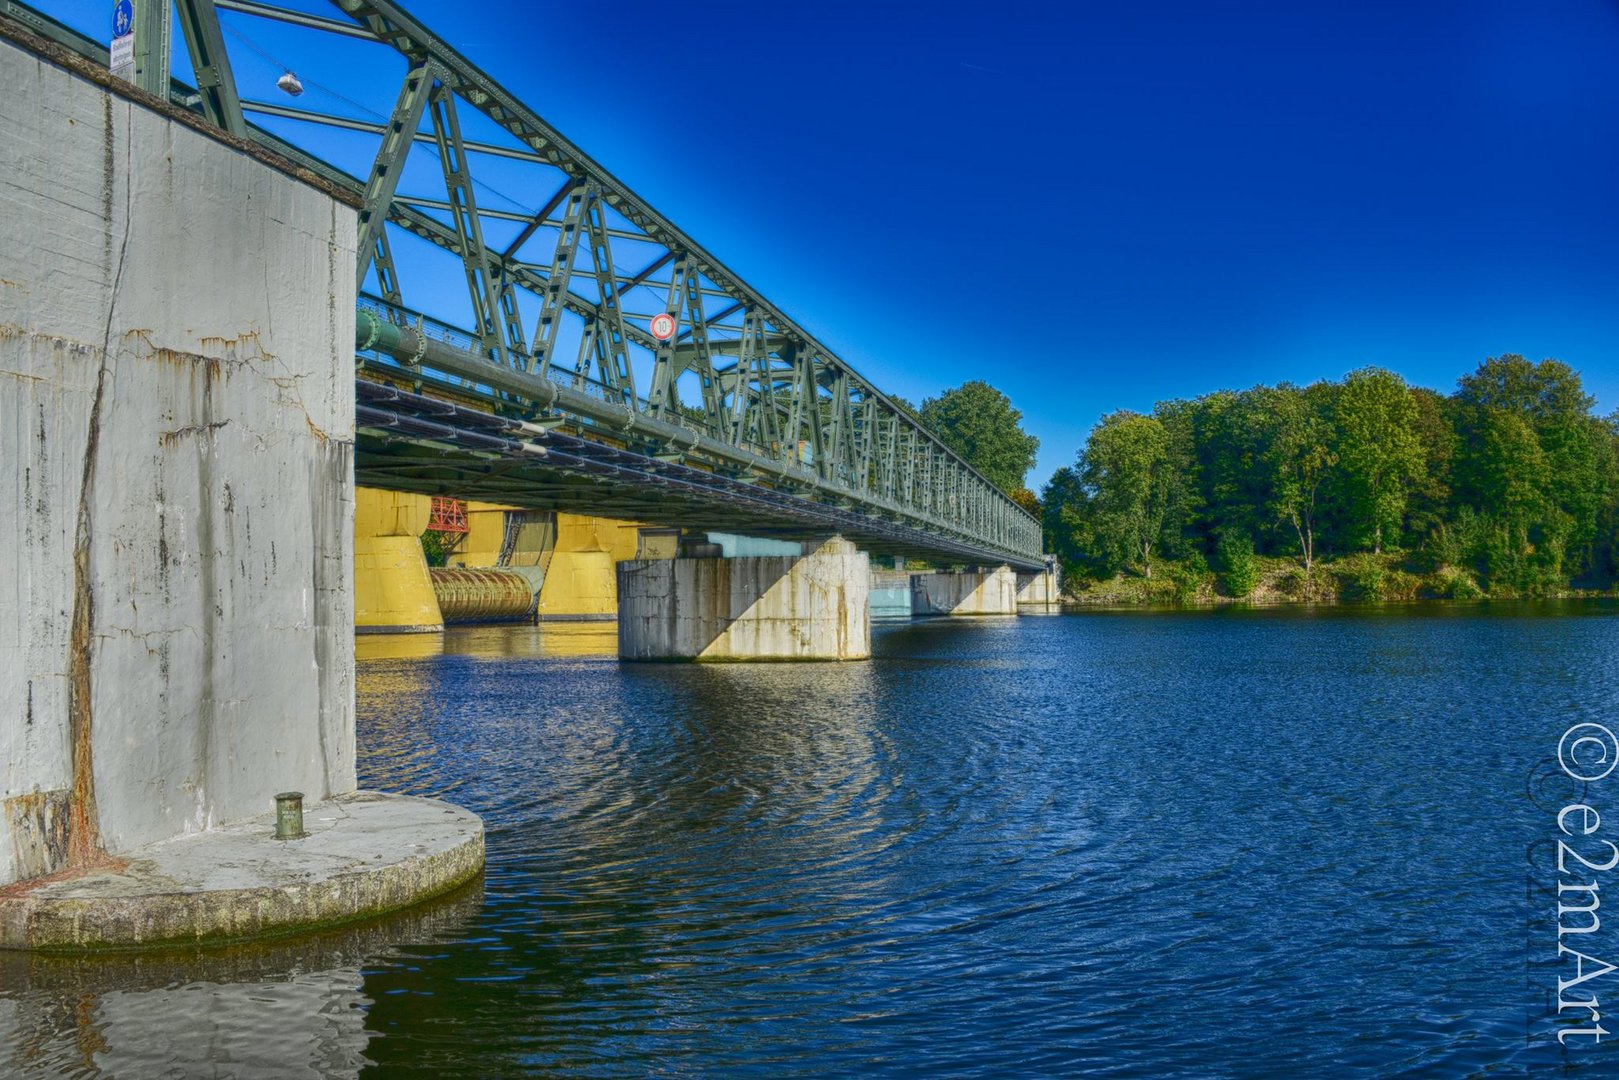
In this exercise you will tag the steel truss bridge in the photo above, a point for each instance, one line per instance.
(550, 389)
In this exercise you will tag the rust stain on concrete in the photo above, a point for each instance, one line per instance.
(38, 824)
(84, 833)
(251, 337)
(102, 863)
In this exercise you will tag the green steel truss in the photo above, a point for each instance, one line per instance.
(750, 394)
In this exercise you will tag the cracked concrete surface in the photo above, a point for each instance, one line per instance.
(176, 434)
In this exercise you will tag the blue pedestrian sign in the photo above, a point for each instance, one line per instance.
(121, 58)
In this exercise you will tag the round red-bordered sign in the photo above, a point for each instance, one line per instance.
(663, 326)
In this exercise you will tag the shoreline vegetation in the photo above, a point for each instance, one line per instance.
(1361, 490)
(1356, 579)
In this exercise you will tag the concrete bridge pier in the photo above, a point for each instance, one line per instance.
(965, 592)
(891, 594)
(176, 456)
(1041, 592)
(764, 607)
(393, 592)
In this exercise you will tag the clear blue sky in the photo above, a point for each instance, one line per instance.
(1099, 205)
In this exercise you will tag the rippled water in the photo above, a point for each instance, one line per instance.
(1276, 843)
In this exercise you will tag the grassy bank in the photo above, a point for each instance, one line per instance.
(1351, 579)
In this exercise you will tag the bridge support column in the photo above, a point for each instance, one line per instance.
(967, 592)
(579, 573)
(176, 613)
(393, 593)
(890, 594)
(1042, 591)
(766, 607)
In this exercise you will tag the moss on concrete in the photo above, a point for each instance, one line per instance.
(366, 855)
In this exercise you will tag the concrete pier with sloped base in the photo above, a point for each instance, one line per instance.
(767, 607)
(967, 592)
(1042, 591)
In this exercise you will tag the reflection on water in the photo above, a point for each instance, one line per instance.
(553, 639)
(1136, 845)
(1200, 844)
(294, 1008)
(397, 646)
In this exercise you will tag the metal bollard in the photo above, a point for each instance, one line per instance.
(289, 815)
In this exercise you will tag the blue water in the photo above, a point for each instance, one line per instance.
(1228, 844)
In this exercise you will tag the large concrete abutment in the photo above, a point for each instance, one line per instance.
(178, 436)
(176, 454)
(765, 607)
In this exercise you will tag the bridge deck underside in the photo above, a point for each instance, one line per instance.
(407, 442)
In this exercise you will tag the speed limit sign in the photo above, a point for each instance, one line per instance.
(663, 326)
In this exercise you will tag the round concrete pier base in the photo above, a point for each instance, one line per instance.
(365, 854)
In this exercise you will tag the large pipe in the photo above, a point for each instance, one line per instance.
(481, 594)
(414, 349)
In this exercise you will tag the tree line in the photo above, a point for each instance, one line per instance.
(1510, 484)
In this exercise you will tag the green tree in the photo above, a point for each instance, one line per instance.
(1605, 554)
(434, 549)
(1232, 433)
(1182, 519)
(1380, 453)
(1235, 555)
(1127, 471)
(1300, 457)
(978, 422)
(1509, 468)
(1534, 462)
(1543, 391)
(1428, 504)
(1065, 519)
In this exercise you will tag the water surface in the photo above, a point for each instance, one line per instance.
(1233, 843)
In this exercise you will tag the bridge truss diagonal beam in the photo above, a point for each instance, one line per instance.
(740, 390)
